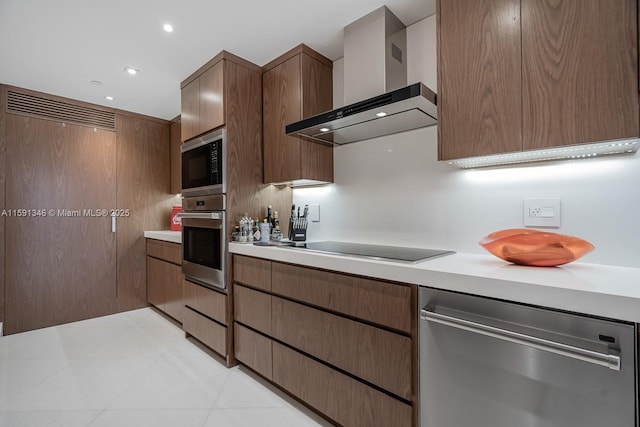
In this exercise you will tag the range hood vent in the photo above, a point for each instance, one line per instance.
(411, 107)
(375, 71)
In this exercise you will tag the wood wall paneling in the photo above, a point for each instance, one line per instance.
(3, 145)
(176, 158)
(584, 88)
(479, 78)
(143, 188)
(58, 268)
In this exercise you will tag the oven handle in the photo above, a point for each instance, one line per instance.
(200, 215)
(607, 360)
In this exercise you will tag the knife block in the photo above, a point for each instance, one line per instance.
(298, 229)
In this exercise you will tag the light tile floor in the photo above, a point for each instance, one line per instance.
(132, 369)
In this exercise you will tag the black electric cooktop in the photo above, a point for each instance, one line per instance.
(385, 253)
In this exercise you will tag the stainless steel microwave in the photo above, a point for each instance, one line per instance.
(204, 165)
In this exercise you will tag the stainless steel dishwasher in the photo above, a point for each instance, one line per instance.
(491, 363)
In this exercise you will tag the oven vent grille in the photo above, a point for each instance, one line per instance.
(35, 106)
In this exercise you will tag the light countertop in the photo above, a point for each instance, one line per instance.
(600, 290)
(166, 235)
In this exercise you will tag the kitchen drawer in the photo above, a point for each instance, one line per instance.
(174, 304)
(253, 349)
(384, 303)
(206, 301)
(252, 272)
(378, 356)
(252, 308)
(342, 398)
(205, 330)
(167, 251)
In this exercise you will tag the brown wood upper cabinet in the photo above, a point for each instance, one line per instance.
(529, 74)
(176, 157)
(202, 100)
(296, 85)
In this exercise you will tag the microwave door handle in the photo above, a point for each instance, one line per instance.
(607, 360)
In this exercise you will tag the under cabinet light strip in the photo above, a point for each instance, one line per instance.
(626, 146)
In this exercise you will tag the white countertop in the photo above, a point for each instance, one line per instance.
(166, 235)
(599, 290)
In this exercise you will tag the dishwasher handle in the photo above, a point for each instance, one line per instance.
(610, 361)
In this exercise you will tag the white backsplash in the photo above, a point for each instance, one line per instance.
(392, 190)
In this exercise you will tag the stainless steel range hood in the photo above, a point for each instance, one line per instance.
(375, 75)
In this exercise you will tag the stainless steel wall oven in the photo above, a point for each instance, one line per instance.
(204, 242)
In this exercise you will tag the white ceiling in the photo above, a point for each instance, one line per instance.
(59, 47)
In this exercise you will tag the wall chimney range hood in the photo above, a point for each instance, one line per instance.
(375, 87)
(397, 111)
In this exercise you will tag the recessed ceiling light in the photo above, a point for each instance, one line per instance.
(96, 82)
(325, 130)
(168, 28)
(108, 98)
(381, 114)
(131, 70)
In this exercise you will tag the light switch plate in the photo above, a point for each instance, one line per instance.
(541, 213)
(314, 213)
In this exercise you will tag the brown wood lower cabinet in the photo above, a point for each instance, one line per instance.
(206, 316)
(164, 277)
(205, 330)
(340, 397)
(306, 330)
(254, 350)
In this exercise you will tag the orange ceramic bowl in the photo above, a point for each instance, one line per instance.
(535, 248)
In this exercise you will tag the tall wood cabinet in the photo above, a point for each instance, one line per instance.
(296, 85)
(176, 156)
(519, 75)
(230, 96)
(73, 164)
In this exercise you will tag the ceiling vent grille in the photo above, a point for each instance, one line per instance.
(35, 106)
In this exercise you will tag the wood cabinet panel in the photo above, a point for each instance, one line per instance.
(174, 302)
(254, 350)
(384, 303)
(479, 78)
(252, 272)
(211, 98)
(168, 251)
(252, 308)
(210, 333)
(190, 111)
(58, 269)
(296, 85)
(176, 158)
(155, 282)
(164, 287)
(380, 357)
(579, 71)
(143, 188)
(345, 400)
(206, 301)
(282, 104)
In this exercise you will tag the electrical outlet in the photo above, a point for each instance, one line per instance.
(314, 213)
(541, 212)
